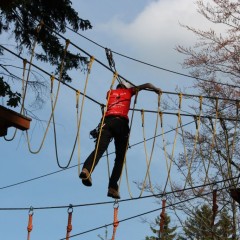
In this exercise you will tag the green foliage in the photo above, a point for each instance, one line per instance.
(168, 233)
(199, 225)
(5, 91)
(21, 17)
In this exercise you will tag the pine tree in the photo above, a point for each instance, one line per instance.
(198, 226)
(20, 18)
(168, 232)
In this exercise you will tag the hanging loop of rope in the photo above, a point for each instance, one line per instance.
(115, 219)
(30, 225)
(69, 226)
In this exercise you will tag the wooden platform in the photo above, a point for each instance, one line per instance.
(9, 118)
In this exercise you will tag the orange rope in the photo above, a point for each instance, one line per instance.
(115, 221)
(69, 226)
(162, 217)
(30, 225)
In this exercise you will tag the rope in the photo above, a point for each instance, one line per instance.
(81, 112)
(69, 226)
(24, 88)
(115, 75)
(23, 77)
(53, 106)
(152, 150)
(174, 144)
(30, 225)
(149, 64)
(148, 162)
(125, 155)
(115, 219)
(30, 64)
(197, 121)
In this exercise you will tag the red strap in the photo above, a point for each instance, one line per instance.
(30, 226)
(115, 222)
(69, 226)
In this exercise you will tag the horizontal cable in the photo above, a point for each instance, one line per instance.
(142, 214)
(42, 70)
(124, 200)
(151, 65)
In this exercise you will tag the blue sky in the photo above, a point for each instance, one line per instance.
(145, 30)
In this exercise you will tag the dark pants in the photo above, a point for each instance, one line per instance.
(118, 129)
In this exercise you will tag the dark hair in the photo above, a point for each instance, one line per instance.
(120, 85)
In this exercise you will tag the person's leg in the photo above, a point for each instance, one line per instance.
(90, 162)
(121, 140)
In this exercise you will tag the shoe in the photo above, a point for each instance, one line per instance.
(113, 193)
(86, 178)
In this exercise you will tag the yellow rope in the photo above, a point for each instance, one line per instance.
(189, 177)
(125, 156)
(174, 144)
(147, 175)
(23, 77)
(152, 150)
(77, 139)
(29, 68)
(53, 107)
(24, 88)
(78, 136)
(81, 112)
(115, 75)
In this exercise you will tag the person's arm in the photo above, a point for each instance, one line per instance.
(148, 86)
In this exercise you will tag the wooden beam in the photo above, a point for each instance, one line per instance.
(9, 118)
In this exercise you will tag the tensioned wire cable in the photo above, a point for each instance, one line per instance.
(171, 71)
(130, 146)
(68, 85)
(160, 195)
(139, 215)
(42, 70)
(112, 70)
(48, 174)
(175, 93)
(152, 65)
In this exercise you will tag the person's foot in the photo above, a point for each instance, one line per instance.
(86, 177)
(113, 193)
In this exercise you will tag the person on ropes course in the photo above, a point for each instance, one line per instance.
(115, 126)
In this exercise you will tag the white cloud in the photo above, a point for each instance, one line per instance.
(157, 24)
(152, 36)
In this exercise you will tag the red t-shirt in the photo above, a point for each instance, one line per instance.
(119, 102)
